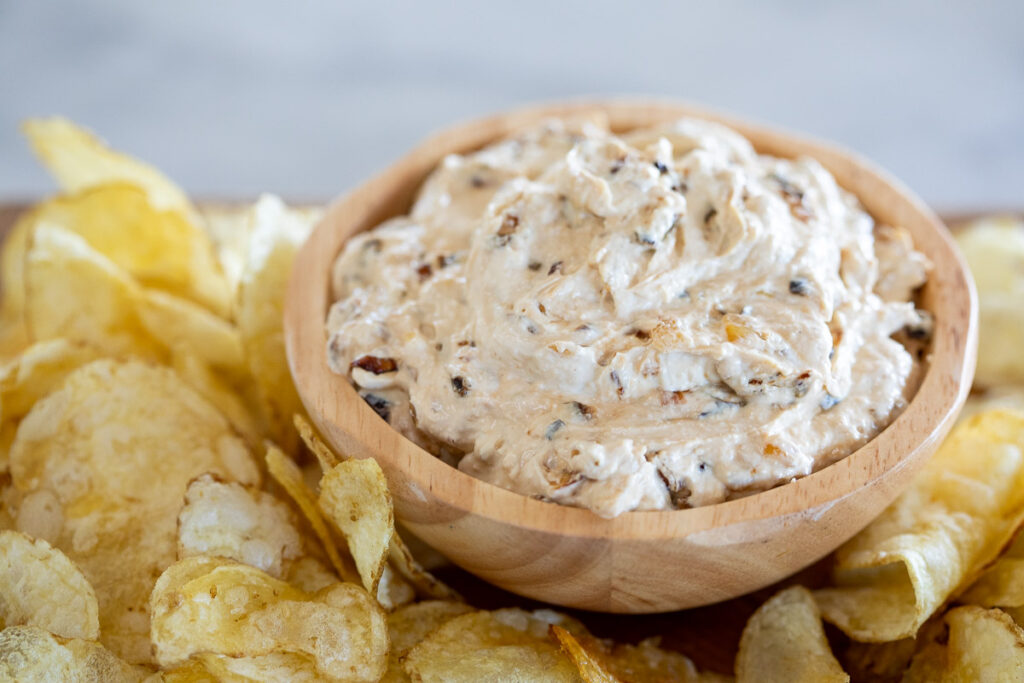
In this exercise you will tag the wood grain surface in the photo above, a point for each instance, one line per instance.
(651, 561)
(709, 635)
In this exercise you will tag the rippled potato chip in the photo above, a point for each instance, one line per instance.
(286, 473)
(784, 641)
(244, 524)
(410, 624)
(209, 605)
(354, 496)
(102, 466)
(29, 654)
(979, 645)
(40, 586)
(503, 645)
(935, 539)
(160, 249)
(276, 235)
(994, 249)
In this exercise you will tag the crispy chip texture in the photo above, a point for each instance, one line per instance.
(160, 249)
(503, 645)
(425, 583)
(40, 586)
(208, 605)
(29, 654)
(588, 665)
(354, 496)
(392, 590)
(994, 249)
(230, 520)
(276, 236)
(13, 331)
(646, 662)
(784, 641)
(102, 466)
(980, 645)
(38, 371)
(410, 624)
(956, 517)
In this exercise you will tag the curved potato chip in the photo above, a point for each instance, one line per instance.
(29, 654)
(59, 267)
(354, 496)
(103, 464)
(963, 508)
(392, 590)
(590, 667)
(286, 473)
(236, 610)
(324, 455)
(1002, 585)
(13, 331)
(276, 235)
(981, 645)
(160, 249)
(192, 671)
(425, 583)
(276, 666)
(229, 520)
(784, 641)
(184, 327)
(40, 586)
(309, 574)
(410, 624)
(37, 371)
(645, 662)
(231, 403)
(503, 645)
(883, 662)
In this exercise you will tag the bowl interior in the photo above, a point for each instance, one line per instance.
(350, 423)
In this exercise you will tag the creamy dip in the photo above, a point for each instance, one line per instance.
(655, 320)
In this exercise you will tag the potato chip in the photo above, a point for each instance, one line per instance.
(103, 464)
(935, 539)
(37, 371)
(276, 236)
(646, 662)
(286, 473)
(981, 645)
(184, 327)
(29, 654)
(994, 249)
(591, 669)
(244, 524)
(231, 403)
(392, 590)
(159, 249)
(59, 267)
(354, 496)
(882, 662)
(784, 641)
(276, 666)
(309, 574)
(410, 624)
(1010, 397)
(503, 645)
(40, 586)
(324, 455)
(13, 330)
(426, 584)
(192, 671)
(202, 605)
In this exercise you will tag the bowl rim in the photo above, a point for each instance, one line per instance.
(928, 415)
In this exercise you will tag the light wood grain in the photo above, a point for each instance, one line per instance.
(640, 561)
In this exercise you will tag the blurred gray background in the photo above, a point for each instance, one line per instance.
(306, 98)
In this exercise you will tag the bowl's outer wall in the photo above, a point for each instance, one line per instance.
(643, 561)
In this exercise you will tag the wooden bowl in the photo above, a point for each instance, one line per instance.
(640, 561)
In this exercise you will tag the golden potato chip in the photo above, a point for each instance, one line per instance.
(244, 524)
(192, 671)
(981, 645)
(184, 327)
(784, 641)
(159, 249)
(29, 654)
(13, 330)
(646, 662)
(882, 662)
(1010, 397)
(102, 465)
(79, 161)
(59, 268)
(354, 496)
(935, 539)
(40, 586)
(426, 584)
(201, 605)
(275, 239)
(286, 473)
(309, 574)
(591, 669)
(392, 590)
(231, 403)
(37, 371)
(503, 645)
(324, 455)
(410, 624)
(276, 666)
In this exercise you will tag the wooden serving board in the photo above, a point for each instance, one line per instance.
(708, 635)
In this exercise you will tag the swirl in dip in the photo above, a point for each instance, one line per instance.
(655, 320)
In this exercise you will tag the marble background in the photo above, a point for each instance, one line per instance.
(306, 98)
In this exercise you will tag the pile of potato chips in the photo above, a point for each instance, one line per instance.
(168, 513)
